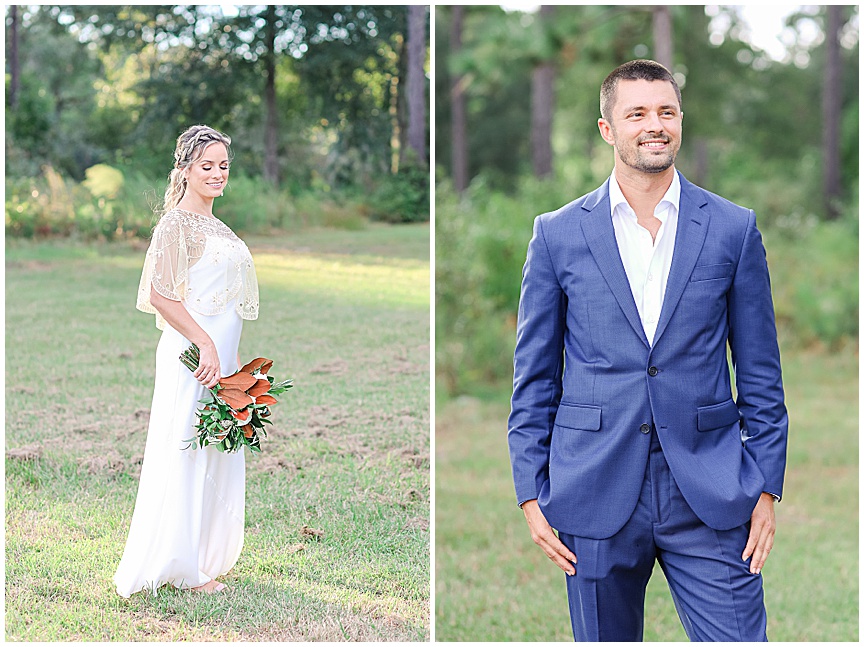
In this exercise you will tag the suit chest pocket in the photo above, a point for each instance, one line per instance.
(705, 294)
(713, 272)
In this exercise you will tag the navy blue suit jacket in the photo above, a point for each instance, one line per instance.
(587, 382)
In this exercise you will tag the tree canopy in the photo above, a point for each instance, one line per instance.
(747, 116)
(311, 95)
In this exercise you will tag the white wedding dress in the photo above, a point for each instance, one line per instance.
(187, 528)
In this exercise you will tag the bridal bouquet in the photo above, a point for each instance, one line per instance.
(235, 410)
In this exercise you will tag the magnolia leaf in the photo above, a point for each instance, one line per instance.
(235, 398)
(241, 415)
(266, 399)
(259, 388)
(259, 364)
(241, 381)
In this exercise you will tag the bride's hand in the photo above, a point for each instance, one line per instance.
(209, 369)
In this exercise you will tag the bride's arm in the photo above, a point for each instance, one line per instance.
(209, 370)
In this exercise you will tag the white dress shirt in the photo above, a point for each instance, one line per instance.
(646, 261)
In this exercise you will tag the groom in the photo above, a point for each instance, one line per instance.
(624, 435)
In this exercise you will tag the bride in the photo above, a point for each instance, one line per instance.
(199, 281)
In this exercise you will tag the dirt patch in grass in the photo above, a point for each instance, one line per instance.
(152, 628)
(111, 463)
(336, 368)
(395, 497)
(417, 523)
(359, 431)
(404, 365)
(351, 628)
(272, 464)
(30, 266)
(26, 453)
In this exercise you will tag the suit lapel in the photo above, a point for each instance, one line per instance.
(600, 237)
(692, 228)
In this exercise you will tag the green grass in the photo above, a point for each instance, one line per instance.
(346, 314)
(494, 584)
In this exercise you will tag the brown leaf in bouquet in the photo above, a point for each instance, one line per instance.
(235, 398)
(241, 415)
(239, 381)
(259, 388)
(265, 399)
(260, 364)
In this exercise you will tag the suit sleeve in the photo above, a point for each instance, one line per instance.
(537, 368)
(756, 361)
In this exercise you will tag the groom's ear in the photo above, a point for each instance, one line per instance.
(606, 131)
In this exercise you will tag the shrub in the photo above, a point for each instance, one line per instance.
(814, 276)
(402, 197)
(115, 203)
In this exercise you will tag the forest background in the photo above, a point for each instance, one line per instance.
(516, 111)
(327, 108)
(521, 109)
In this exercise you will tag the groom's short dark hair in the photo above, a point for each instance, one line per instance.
(638, 70)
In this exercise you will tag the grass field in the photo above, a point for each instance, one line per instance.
(346, 314)
(494, 584)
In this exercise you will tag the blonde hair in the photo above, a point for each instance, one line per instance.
(190, 147)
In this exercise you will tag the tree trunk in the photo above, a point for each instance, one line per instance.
(662, 29)
(400, 90)
(14, 67)
(416, 81)
(458, 122)
(542, 105)
(271, 124)
(703, 165)
(831, 107)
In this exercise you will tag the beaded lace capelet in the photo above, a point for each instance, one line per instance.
(198, 260)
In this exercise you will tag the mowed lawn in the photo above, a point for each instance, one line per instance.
(493, 583)
(337, 517)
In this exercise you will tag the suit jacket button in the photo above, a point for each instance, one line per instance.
(646, 428)
(653, 371)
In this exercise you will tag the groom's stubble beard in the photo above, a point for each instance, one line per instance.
(646, 162)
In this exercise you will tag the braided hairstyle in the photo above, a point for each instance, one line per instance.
(190, 147)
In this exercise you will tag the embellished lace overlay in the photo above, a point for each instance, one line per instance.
(198, 260)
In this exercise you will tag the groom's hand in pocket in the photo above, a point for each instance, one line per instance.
(545, 537)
